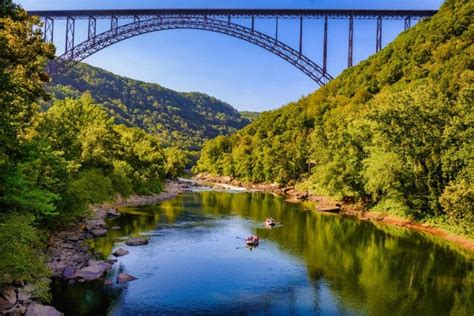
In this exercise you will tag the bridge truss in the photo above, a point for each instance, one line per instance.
(141, 21)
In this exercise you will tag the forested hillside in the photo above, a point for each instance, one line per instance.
(56, 163)
(395, 132)
(181, 119)
(249, 115)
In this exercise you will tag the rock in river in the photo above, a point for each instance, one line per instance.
(120, 252)
(96, 224)
(123, 278)
(42, 310)
(99, 232)
(113, 213)
(94, 271)
(136, 241)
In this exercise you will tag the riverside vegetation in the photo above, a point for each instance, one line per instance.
(394, 133)
(55, 163)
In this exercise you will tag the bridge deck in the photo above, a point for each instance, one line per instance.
(240, 13)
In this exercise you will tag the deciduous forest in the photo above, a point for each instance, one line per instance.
(394, 133)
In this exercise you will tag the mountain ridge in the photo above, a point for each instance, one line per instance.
(184, 119)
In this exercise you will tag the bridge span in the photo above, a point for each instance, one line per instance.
(129, 23)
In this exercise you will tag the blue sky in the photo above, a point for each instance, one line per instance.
(244, 75)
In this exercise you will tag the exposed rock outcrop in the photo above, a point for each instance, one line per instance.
(17, 301)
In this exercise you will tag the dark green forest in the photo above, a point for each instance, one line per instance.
(57, 162)
(183, 120)
(394, 133)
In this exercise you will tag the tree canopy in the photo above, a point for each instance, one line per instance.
(396, 131)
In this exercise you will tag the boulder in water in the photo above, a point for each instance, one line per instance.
(136, 241)
(123, 278)
(94, 271)
(120, 252)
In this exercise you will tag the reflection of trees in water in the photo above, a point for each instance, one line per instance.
(89, 296)
(378, 270)
(381, 271)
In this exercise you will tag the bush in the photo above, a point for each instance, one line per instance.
(22, 258)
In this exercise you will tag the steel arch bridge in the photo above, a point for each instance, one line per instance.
(215, 20)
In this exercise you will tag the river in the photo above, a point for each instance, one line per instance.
(309, 263)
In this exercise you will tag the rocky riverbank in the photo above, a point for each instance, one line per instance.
(70, 258)
(68, 250)
(327, 205)
(19, 300)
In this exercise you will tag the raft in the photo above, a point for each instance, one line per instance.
(270, 222)
(252, 240)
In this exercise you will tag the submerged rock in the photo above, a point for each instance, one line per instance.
(123, 278)
(136, 241)
(42, 310)
(120, 252)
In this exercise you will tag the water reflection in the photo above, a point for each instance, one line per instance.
(311, 263)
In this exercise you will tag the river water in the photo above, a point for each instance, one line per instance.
(309, 264)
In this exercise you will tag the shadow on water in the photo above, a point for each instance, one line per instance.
(311, 263)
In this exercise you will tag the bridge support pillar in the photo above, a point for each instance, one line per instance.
(351, 41)
(48, 34)
(407, 23)
(378, 42)
(92, 30)
(113, 23)
(276, 29)
(70, 30)
(325, 45)
(301, 36)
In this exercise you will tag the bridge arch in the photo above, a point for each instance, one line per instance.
(119, 33)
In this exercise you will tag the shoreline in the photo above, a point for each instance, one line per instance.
(71, 259)
(68, 251)
(324, 204)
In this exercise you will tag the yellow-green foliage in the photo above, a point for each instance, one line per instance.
(53, 164)
(181, 119)
(395, 130)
